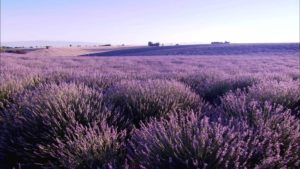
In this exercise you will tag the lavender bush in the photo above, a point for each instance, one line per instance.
(185, 141)
(11, 86)
(286, 93)
(193, 141)
(42, 117)
(98, 82)
(212, 85)
(240, 105)
(276, 132)
(139, 100)
(95, 146)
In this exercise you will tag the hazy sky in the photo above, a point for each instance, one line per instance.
(139, 21)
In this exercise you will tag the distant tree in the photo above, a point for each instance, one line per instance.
(153, 44)
(150, 43)
(70, 45)
(156, 44)
(47, 47)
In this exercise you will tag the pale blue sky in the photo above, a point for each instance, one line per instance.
(139, 21)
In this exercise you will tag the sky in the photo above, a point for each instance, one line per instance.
(140, 21)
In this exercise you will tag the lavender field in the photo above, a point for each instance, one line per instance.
(180, 107)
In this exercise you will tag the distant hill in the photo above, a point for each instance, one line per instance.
(47, 43)
(207, 49)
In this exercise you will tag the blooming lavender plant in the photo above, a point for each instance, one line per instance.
(139, 100)
(92, 147)
(186, 141)
(212, 85)
(275, 131)
(43, 116)
(286, 93)
(194, 141)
